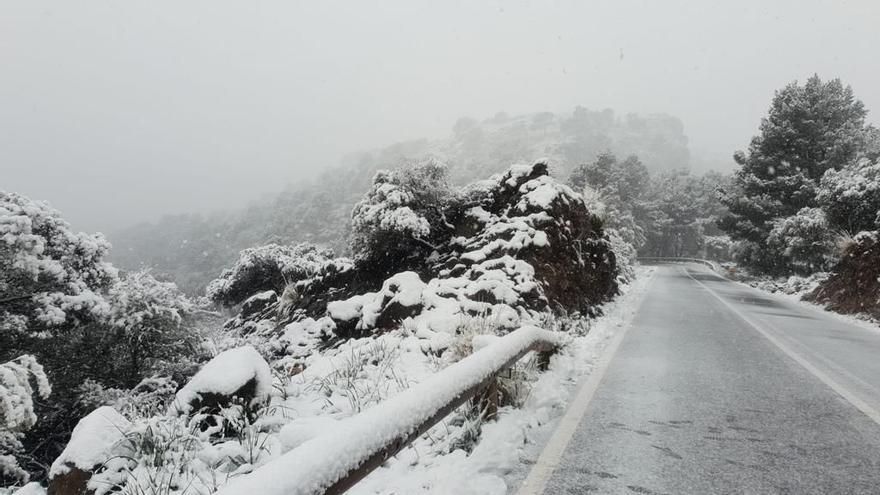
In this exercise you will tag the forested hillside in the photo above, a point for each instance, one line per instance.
(193, 249)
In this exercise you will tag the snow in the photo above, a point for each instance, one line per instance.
(46, 253)
(16, 392)
(32, 488)
(346, 310)
(224, 375)
(319, 462)
(294, 434)
(93, 441)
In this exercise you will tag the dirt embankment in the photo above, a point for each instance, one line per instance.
(854, 284)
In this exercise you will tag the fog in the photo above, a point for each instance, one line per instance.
(118, 112)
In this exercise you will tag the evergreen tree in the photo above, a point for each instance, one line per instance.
(809, 129)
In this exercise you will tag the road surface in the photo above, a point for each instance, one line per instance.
(719, 388)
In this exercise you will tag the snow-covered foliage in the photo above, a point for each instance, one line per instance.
(96, 331)
(810, 129)
(49, 274)
(315, 405)
(509, 251)
(20, 380)
(271, 267)
(496, 248)
(397, 211)
(718, 247)
(668, 214)
(803, 242)
(148, 321)
(795, 285)
(850, 196)
(615, 188)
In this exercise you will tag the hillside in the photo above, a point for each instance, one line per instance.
(193, 249)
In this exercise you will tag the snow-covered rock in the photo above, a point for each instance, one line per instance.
(239, 372)
(97, 438)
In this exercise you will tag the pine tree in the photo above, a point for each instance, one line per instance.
(809, 129)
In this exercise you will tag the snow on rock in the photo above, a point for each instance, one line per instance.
(318, 463)
(239, 372)
(32, 488)
(301, 337)
(399, 298)
(95, 439)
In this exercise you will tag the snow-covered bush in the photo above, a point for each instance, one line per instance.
(49, 274)
(399, 217)
(20, 380)
(149, 397)
(850, 196)
(718, 247)
(148, 326)
(61, 302)
(803, 242)
(271, 267)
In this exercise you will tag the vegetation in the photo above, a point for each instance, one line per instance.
(810, 130)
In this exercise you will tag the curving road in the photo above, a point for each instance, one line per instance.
(720, 388)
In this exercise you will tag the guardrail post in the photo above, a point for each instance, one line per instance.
(544, 359)
(487, 399)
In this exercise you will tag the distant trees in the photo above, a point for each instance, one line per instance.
(678, 214)
(810, 129)
(665, 214)
(619, 187)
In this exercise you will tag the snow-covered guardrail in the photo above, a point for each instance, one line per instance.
(648, 259)
(334, 462)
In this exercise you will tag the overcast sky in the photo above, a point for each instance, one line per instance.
(119, 111)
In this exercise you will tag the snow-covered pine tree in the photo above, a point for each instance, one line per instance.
(809, 129)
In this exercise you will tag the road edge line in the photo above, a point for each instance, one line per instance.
(551, 454)
(854, 400)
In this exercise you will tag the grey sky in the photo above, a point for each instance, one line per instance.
(120, 111)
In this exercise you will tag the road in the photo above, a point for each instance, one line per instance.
(720, 388)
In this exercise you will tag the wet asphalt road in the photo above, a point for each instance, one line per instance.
(698, 401)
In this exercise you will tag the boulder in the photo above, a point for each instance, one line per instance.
(239, 373)
(97, 438)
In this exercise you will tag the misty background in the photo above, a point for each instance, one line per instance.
(121, 112)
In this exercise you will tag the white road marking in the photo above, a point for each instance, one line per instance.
(551, 456)
(827, 380)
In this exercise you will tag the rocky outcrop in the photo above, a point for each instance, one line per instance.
(508, 249)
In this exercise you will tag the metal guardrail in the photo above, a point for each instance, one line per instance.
(334, 462)
(648, 259)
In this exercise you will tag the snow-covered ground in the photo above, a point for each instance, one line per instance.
(795, 288)
(508, 446)
(463, 454)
